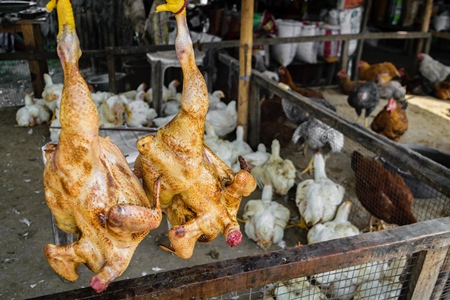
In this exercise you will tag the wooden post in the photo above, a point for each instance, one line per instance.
(425, 26)
(112, 73)
(344, 57)
(245, 62)
(425, 273)
(255, 116)
(33, 42)
(359, 49)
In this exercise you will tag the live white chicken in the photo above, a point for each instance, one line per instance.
(169, 92)
(112, 111)
(339, 227)
(341, 284)
(318, 199)
(266, 219)
(140, 113)
(297, 288)
(222, 148)
(224, 121)
(253, 159)
(44, 114)
(52, 93)
(279, 172)
(27, 115)
(239, 146)
(215, 100)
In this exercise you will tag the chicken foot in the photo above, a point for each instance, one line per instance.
(309, 168)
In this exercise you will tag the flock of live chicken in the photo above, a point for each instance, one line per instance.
(320, 201)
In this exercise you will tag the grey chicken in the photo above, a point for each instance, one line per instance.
(297, 115)
(365, 96)
(318, 137)
(392, 89)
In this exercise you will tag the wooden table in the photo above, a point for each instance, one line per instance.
(34, 44)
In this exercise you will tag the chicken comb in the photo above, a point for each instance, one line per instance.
(65, 14)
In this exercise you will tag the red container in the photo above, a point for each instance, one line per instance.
(330, 49)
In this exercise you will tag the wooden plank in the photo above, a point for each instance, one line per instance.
(254, 116)
(245, 63)
(441, 35)
(344, 57)
(425, 23)
(423, 168)
(425, 273)
(359, 49)
(442, 279)
(358, 36)
(222, 277)
(45, 55)
(271, 41)
(112, 74)
(157, 80)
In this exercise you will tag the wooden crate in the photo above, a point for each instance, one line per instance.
(426, 272)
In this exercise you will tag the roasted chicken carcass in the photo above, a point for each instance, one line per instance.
(199, 193)
(89, 187)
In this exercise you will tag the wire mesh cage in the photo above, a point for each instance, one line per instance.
(375, 182)
(15, 82)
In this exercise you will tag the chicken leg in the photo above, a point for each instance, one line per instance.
(89, 187)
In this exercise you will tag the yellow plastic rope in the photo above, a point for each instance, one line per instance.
(65, 14)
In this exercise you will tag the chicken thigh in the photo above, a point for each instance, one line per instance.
(89, 187)
(199, 193)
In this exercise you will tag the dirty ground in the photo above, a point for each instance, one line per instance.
(25, 220)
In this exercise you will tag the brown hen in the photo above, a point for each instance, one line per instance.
(285, 77)
(442, 90)
(391, 121)
(382, 193)
(89, 187)
(380, 72)
(346, 84)
(200, 194)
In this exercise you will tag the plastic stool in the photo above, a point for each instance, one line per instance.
(160, 61)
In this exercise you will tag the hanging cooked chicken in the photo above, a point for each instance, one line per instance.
(89, 187)
(200, 194)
